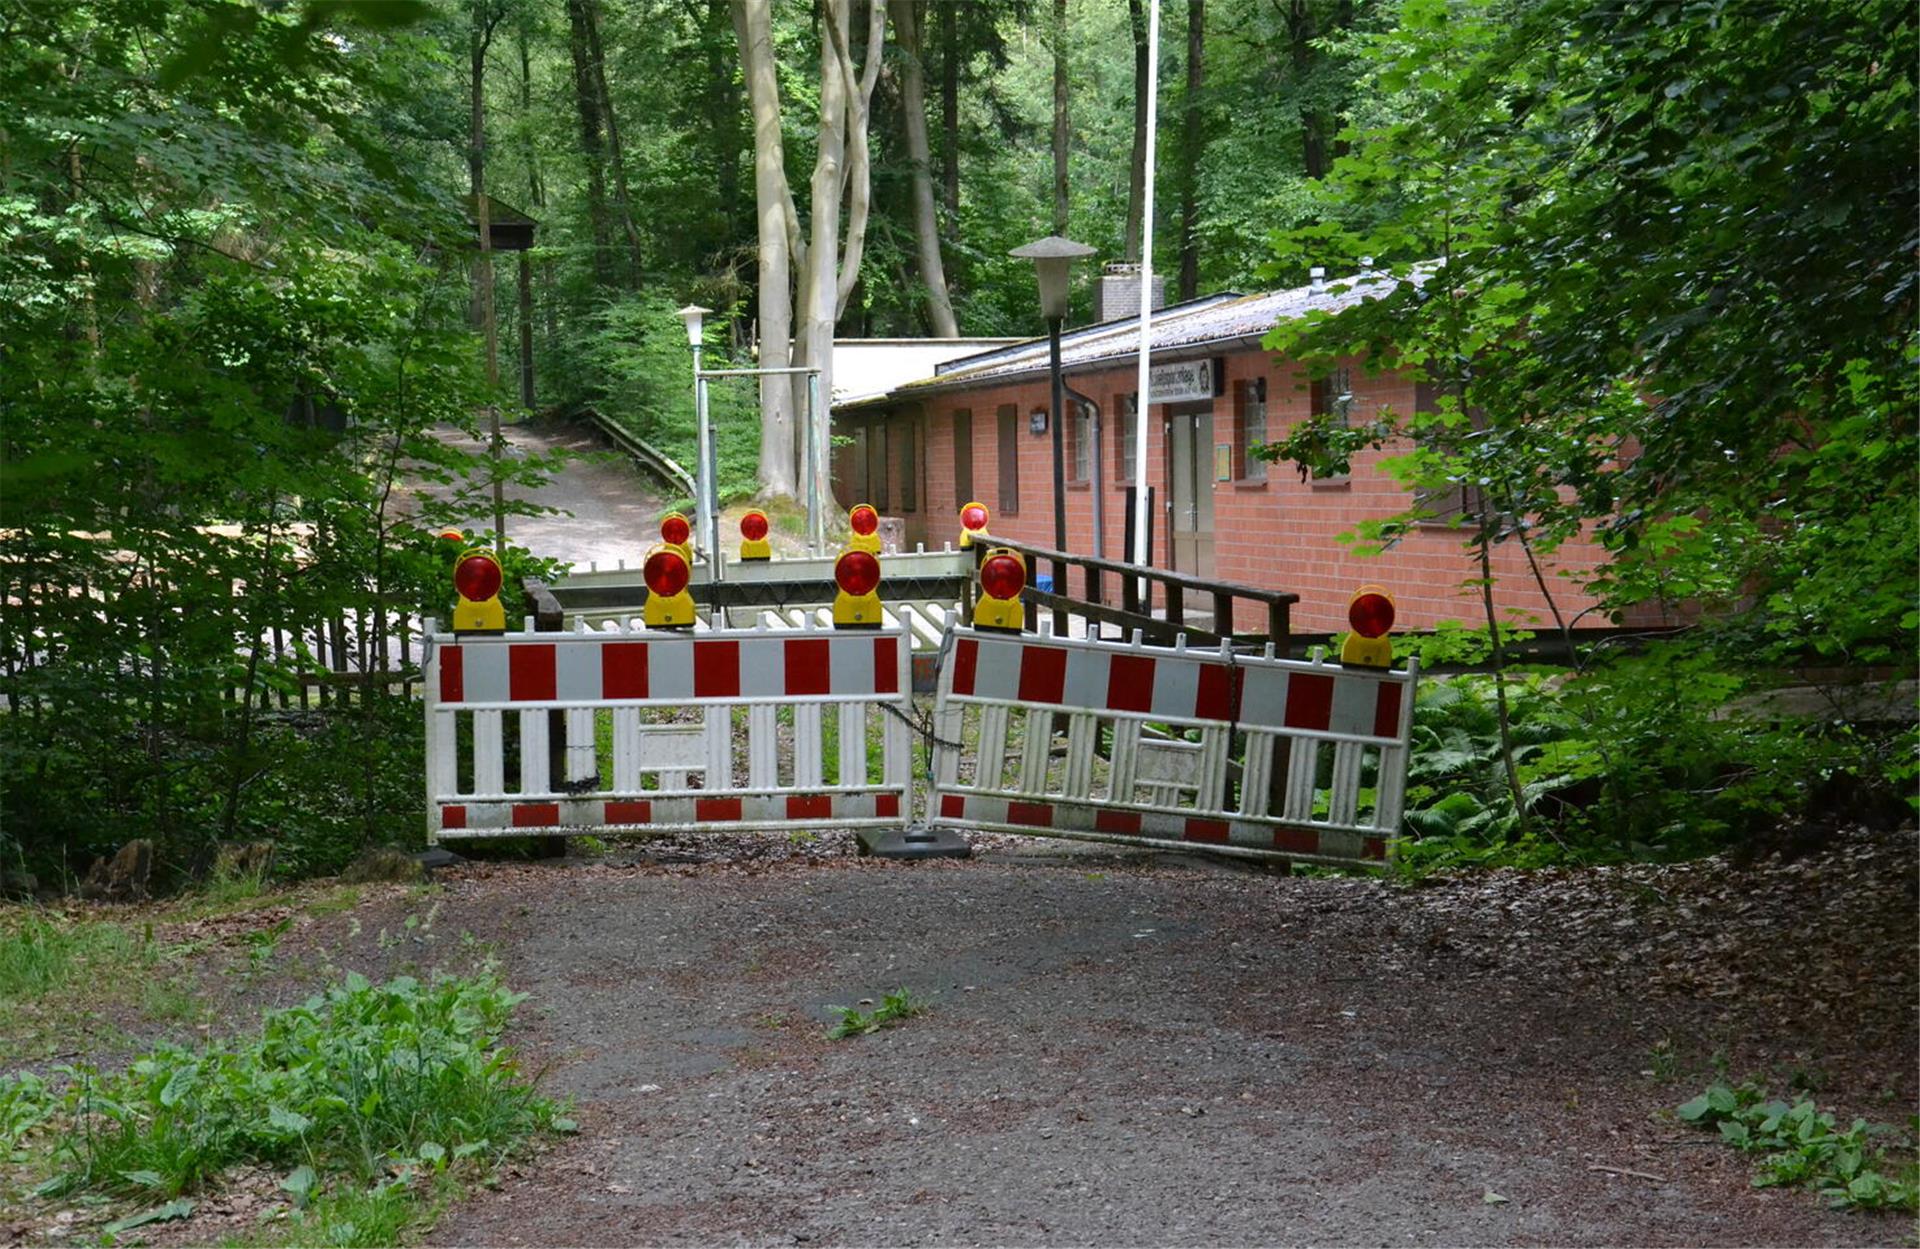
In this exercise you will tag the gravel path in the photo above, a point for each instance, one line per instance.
(1128, 1049)
(610, 510)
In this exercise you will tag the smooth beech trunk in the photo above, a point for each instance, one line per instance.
(913, 114)
(753, 26)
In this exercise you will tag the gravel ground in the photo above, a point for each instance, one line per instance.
(1138, 1049)
(1129, 1048)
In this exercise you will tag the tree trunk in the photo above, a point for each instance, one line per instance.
(592, 143)
(950, 110)
(1192, 144)
(536, 198)
(1060, 128)
(913, 114)
(622, 203)
(1313, 126)
(723, 114)
(483, 24)
(1137, 185)
(753, 27)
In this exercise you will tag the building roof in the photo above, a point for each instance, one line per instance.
(1186, 329)
(869, 368)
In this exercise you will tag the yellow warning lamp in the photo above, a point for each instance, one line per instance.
(753, 536)
(973, 519)
(865, 523)
(1370, 613)
(857, 605)
(677, 531)
(666, 572)
(1003, 575)
(476, 578)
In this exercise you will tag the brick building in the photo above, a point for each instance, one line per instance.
(976, 429)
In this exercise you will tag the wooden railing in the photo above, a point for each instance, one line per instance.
(1125, 595)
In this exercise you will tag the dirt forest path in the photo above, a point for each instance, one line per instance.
(1126, 1049)
(615, 508)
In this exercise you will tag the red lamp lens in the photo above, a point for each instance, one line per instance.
(864, 520)
(973, 517)
(477, 578)
(452, 535)
(753, 526)
(675, 529)
(857, 573)
(665, 573)
(1371, 615)
(1003, 577)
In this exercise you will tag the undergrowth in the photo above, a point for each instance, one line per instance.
(1866, 1166)
(358, 1089)
(1637, 757)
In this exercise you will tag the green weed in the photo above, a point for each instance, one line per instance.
(1804, 1147)
(355, 1082)
(894, 1007)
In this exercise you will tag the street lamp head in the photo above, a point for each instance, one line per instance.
(1052, 257)
(692, 316)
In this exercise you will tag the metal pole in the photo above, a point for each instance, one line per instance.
(1059, 472)
(703, 479)
(816, 535)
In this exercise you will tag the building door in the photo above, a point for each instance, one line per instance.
(1190, 487)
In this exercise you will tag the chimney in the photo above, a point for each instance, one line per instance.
(1318, 274)
(1117, 294)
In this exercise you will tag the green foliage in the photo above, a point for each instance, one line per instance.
(233, 339)
(894, 1007)
(358, 1082)
(1635, 756)
(1870, 1167)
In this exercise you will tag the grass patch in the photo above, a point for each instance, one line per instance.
(369, 1097)
(39, 956)
(894, 1007)
(1867, 1166)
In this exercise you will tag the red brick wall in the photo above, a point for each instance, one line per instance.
(1281, 534)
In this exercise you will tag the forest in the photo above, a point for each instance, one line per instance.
(248, 279)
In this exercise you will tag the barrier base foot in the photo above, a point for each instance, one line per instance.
(918, 842)
(437, 856)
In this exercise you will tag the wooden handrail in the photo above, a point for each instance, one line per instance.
(1136, 612)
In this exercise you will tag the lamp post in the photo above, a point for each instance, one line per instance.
(693, 316)
(1053, 259)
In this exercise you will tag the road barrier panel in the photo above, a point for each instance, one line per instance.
(658, 724)
(1298, 760)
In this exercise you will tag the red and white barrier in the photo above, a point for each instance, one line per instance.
(1171, 745)
(653, 720)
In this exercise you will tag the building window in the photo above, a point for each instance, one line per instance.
(962, 458)
(1009, 460)
(1332, 395)
(876, 482)
(1445, 506)
(1123, 406)
(1249, 429)
(909, 465)
(1080, 440)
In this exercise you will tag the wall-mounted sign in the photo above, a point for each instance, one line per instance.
(1037, 421)
(1223, 461)
(1183, 382)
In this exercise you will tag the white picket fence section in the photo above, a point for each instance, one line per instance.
(1301, 760)
(715, 729)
